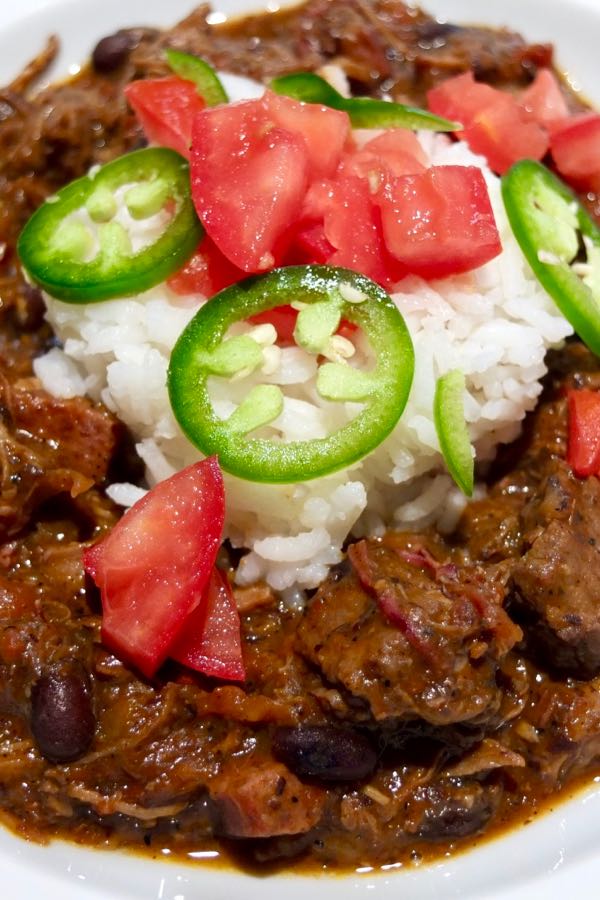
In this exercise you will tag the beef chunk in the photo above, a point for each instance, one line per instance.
(557, 581)
(262, 800)
(409, 637)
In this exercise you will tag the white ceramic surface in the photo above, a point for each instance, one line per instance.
(560, 852)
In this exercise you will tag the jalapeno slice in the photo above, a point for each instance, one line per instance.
(78, 245)
(326, 296)
(560, 241)
(452, 431)
(194, 69)
(364, 112)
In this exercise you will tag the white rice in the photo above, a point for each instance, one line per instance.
(495, 324)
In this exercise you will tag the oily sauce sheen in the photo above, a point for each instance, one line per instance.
(352, 743)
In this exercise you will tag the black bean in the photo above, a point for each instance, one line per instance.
(112, 51)
(325, 752)
(62, 716)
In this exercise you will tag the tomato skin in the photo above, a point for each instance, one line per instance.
(583, 452)
(206, 273)
(459, 231)
(155, 563)
(210, 641)
(575, 148)
(166, 108)
(248, 181)
(544, 100)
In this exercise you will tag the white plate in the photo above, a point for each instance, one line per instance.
(560, 853)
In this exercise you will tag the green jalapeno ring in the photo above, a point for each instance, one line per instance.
(385, 389)
(364, 112)
(199, 72)
(115, 270)
(548, 245)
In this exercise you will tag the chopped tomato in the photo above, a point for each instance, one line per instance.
(503, 134)
(395, 152)
(207, 272)
(211, 641)
(495, 125)
(155, 564)
(583, 453)
(441, 222)
(461, 98)
(544, 100)
(309, 245)
(249, 177)
(575, 148)
(352, 225)
(324, 131)
(166, 108)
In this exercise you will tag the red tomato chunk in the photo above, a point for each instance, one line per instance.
(495, 124)
(441, 222)
(166, 108)
(583, 453)
(251, 165)
(154, 566)
(575, 148)
(211, 642)
(206, 273)
(544, 100)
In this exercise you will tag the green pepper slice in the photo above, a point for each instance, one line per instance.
(194, 69)
(325, 296)
(364, 112)
(451, 428)
(553, 230)
(78, 250)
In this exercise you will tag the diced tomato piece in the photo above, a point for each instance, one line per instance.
(503, 134)
(583, 453)
(544, 100)
(155, 564)
(495, 125)
(206, 273)
(166, 108)
(249, 177)
(210, 641)
(461, 98)
(324, 131)
(441, 222)
(395, 152)
(575, 148)
(309, 245)
(352, 225)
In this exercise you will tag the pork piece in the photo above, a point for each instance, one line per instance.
(383, 45)
(263, 799)
(557, 581)
(558, 733)
(409, 637)
(48, 447)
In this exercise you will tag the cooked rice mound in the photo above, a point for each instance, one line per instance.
(495, 324)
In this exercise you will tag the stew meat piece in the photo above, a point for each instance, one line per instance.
(431, 689)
